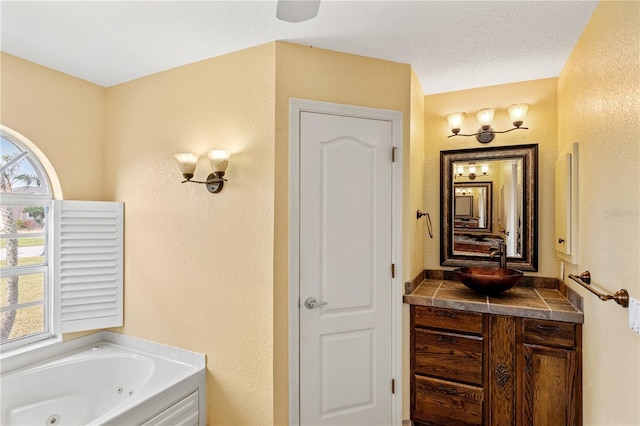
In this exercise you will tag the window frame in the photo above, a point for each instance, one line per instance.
(42, 199)
(85, 288)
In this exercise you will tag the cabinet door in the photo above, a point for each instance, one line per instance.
(563, 204)
(550, 386)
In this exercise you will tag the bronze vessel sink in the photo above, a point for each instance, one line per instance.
(488, 280)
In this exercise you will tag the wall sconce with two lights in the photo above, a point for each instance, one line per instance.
(219, 160)
(517, 113)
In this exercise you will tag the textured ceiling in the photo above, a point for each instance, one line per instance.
(452, 45)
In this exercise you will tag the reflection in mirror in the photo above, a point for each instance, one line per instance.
(488, 195)
(472, 207)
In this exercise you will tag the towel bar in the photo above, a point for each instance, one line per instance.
(584, 279)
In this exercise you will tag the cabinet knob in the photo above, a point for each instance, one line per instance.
(548, 327)
(560, 240)
(447, 339)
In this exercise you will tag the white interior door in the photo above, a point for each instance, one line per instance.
(345, 256)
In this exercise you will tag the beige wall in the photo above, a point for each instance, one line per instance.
(599, 107)
(415, 229)
(199, 266)
(322, 75)
(542, 122)
(62, 116)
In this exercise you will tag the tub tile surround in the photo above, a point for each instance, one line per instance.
(46, 353)
(533, 297)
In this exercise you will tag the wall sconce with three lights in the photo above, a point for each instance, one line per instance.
(219, 161)
(486, 134)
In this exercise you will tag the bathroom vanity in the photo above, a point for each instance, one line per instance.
(514, 358)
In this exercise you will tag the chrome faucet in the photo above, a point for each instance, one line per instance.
(500, 251)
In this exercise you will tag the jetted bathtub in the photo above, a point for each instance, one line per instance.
(107, 384)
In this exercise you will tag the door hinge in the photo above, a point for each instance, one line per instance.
(393, 154)
(393, 270)
(393, 385)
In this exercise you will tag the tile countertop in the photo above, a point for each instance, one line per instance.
(520, 301)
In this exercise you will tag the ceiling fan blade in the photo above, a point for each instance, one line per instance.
(297, 10)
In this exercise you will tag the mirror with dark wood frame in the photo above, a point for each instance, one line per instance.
(488, 195)
(472, 207)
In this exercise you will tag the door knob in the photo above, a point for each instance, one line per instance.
(311, 303)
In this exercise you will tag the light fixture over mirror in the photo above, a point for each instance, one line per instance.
(219, 160)
(470, 171)
(517, 113)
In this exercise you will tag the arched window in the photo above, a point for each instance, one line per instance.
(60, 261)
(24, 259)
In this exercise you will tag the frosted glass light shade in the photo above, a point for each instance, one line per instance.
(484, 169)
(517, 113)
(187, 163)
(219, 159)
(455, 121)
(485, 117)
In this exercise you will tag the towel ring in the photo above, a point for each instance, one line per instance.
(419, 214)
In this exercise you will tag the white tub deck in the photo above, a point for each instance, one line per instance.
(104, 382)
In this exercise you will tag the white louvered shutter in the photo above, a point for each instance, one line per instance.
(87, 265)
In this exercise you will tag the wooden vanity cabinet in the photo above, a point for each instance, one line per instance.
(470, 368)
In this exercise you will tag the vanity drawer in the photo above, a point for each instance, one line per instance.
(549, 333)
(439, 402)
(449, 355)
(448, 319)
